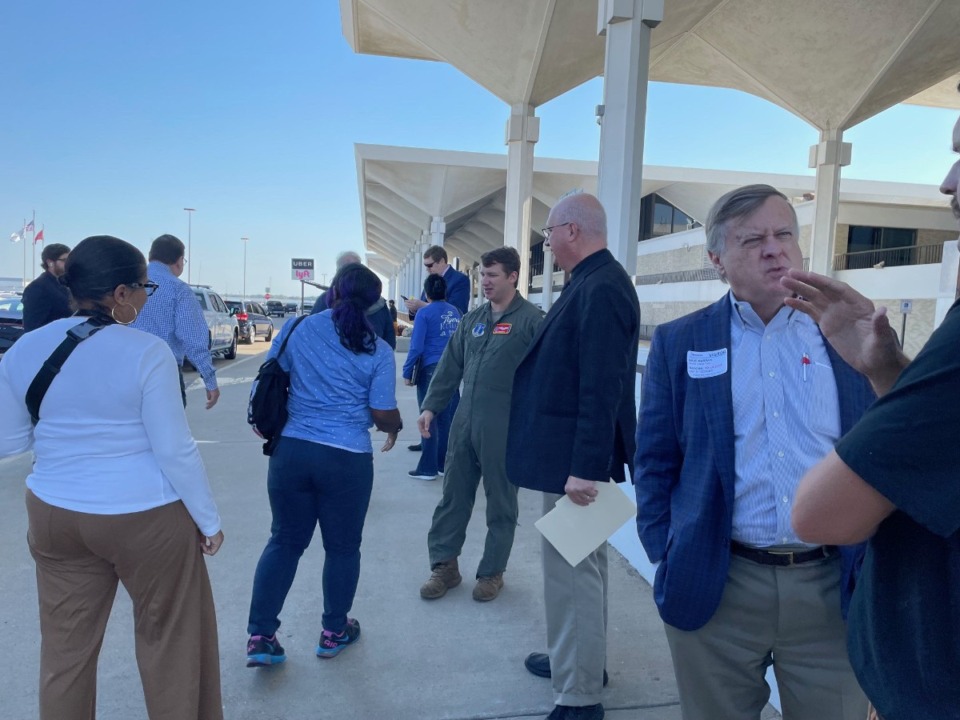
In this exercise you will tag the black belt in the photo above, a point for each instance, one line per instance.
(782, 558)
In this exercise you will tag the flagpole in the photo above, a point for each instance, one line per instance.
(24, 241)
(33, 241)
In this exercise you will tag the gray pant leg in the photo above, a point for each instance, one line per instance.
(501, 495)
(789, 617)
(575, 599)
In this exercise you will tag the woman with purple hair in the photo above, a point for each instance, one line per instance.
(342, 381)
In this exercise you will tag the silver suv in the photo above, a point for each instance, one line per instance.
(221, 324)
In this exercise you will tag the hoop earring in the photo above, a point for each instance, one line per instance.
(113, 314)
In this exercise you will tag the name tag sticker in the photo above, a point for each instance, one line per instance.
(706, 364)
(502, 329)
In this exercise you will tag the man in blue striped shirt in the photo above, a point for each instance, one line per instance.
(173, 314)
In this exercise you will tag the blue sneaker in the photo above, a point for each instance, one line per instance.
(263, 651)
(332, 643)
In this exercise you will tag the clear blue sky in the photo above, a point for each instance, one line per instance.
(120, 114)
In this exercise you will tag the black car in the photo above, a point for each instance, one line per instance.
(11, 321)
(275, 308)
(291, 307)
(252, 320)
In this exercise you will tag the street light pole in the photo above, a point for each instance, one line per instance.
(245, 240)
(190, 212)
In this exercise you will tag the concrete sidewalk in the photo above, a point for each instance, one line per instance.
(447, 659)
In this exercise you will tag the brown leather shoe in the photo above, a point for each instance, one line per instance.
(487, 588)
(445, 575)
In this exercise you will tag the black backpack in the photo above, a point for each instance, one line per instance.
(267, 409)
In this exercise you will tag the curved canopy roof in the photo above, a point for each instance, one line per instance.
(832, 63)
(402, 189)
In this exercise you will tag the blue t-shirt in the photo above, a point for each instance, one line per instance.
(433, 327)
(332, 389)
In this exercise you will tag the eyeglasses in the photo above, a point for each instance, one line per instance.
(548, 231)
(148, 287)
(429, 265)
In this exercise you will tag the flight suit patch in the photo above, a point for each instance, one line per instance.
(502, 329)
(478, 329)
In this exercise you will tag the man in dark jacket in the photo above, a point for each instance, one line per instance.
(572, 425)
(45, 299)
(378, 314)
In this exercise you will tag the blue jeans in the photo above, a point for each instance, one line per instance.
(308, 483)
(434, 451)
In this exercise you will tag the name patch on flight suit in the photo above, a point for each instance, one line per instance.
(502, 329)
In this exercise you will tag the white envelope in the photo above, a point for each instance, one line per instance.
(576, 531)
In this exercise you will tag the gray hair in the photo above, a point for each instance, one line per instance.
(348, 257)
(736, 204)
(586, 211)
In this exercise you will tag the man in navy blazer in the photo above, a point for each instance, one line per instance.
(739, 400)
(572, 421)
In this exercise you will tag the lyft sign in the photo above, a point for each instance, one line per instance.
(302, 268)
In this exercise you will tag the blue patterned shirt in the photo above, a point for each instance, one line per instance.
(173, 314)
(333, 389)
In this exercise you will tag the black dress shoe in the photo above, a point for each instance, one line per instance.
(539, 665)
(569, 712)
(416, 448)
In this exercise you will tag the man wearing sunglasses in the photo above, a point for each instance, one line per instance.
(458, 284)
(173, 314)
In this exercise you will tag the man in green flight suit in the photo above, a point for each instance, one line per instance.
(483, 353)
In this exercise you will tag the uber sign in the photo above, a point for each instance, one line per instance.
(302, 268)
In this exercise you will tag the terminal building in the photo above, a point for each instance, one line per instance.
(894, 241)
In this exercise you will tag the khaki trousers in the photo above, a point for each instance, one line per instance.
(785, 616)
(575, 599)
(80, 557)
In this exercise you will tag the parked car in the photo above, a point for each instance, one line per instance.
(275, 308)
(252, 320)
(291, 307)
(307, 308)
(11, 321)
(223, 327)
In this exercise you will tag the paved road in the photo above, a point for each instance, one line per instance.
(451, 659)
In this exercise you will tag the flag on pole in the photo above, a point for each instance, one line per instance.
(28, 227)
(38, 238)
(15, 237)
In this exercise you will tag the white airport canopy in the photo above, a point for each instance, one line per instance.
(833, 63)
(402, 189)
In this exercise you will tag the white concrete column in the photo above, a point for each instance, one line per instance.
(413, 273)
(438, 229)
(546, 294)
(478, 280)
(827, 157)
(627, 25)
(522, 133)
(392, 288)
(424, 246)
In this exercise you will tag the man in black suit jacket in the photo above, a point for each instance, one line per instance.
(572, 424)
(45, 299)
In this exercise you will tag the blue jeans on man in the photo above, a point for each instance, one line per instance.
(434, 448)
(307, 483)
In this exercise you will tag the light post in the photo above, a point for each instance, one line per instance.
(245, 240)
(190, 212)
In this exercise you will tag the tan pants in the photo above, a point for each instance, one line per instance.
(785, 616)
(156, 555)
(575, 599)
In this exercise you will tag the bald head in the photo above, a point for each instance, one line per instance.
(579, 229)
(348, 257)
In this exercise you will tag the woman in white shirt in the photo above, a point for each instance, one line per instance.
(118, 492)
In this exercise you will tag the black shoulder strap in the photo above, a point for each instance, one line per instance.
(283, 345)
(51, 367)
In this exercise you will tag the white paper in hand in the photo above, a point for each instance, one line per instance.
(576, 531)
